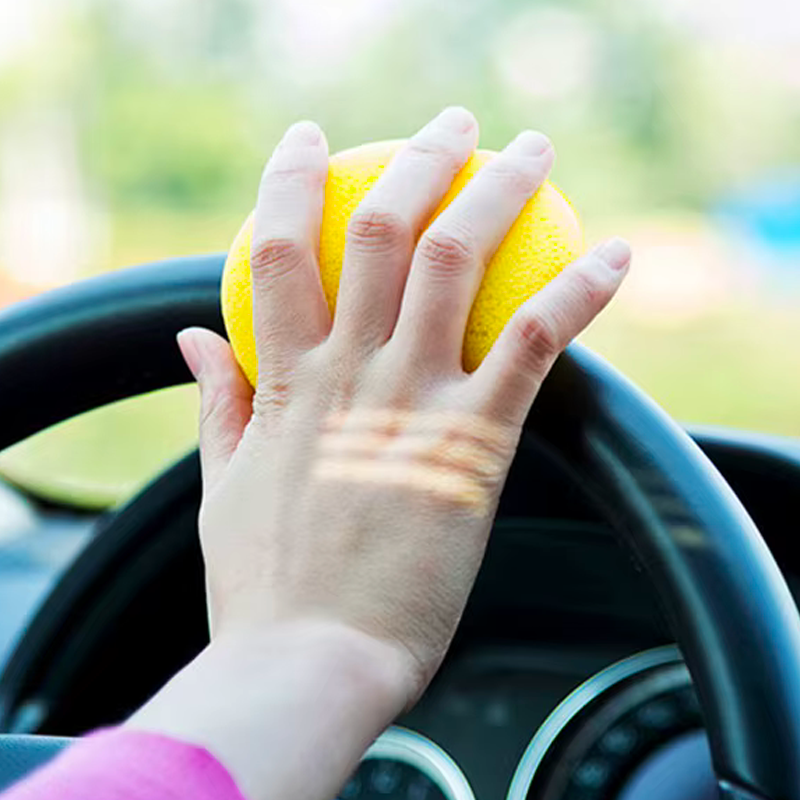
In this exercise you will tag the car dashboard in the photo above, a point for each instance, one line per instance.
(558, 599)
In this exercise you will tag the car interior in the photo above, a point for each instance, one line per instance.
(632, 634)
(634, 631)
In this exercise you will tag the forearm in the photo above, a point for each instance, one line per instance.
(290, 711)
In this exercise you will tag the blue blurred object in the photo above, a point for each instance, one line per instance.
(680, 770)
(763, 222)
(768, 212)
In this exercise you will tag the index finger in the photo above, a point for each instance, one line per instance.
(289, 309)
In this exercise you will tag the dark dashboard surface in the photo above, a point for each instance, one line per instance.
(557, 599)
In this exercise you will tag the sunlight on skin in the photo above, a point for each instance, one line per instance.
(456, 457)
(391, 421)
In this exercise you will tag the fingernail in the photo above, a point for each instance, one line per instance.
(615, 252)
(188, 348)
(455, 119)
(532, 143)
(302, 133)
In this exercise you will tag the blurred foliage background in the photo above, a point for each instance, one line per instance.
(132, 130)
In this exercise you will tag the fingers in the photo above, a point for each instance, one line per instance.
(511, 374)
(384, 228)
(226, 398)
(451, 255)
(290, 313)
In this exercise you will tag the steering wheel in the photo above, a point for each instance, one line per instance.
(112, 337)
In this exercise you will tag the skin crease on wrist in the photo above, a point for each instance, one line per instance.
(347, 501)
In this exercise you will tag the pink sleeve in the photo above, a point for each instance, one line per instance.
(121, 764)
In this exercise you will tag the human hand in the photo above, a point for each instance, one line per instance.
(353, 492)
(363, 487)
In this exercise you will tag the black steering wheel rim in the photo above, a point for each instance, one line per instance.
(112, 337)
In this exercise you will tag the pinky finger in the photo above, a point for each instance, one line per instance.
(510, 376)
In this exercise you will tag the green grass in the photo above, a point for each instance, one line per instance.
(102, 458)
(142, 235)
(738, 368)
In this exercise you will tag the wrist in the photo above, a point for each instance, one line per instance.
(271, 703)
(330, 657)
(385, 675)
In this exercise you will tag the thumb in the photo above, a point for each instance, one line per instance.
(226, 398)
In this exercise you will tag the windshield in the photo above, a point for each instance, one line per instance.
(133, 130)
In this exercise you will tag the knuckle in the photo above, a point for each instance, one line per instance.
(434, 148)
(447, 252)
(588, 289)
(272, 397)
(515, 176)
(296, 169)
(539, 343)
(375, 229)
(218, 406)
(274, 257)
